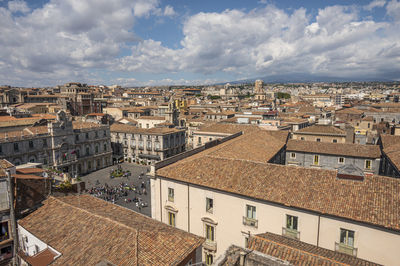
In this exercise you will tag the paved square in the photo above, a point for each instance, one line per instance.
(124, 197)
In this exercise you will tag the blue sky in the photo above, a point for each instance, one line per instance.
(155, 42)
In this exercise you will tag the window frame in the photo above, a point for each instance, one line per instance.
(316, 159)
(209, 232)
(253, 211)
(293, 155)
(290, 225)
(171, 194)
(209, 207)
(344, 160)
(368, 164)
(347, 237)
(172, 219)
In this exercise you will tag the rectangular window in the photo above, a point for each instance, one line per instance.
(347, 237)
(45, 143)
(30, 144)
(293, 155)
(341, 160)
(209, 259)
(367, 164)
(334, 141)
(318, 140)
(251, 212)
(291, 222)
(16, 147)
(171, 194)
(316, 159)
(1, 149)
(199, 140)
(209, 232)
(246, 242)
(209, 205)
(171, 218)
(302, 138)
(87, 135)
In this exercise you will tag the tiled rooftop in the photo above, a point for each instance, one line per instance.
(230, 167)
(228, 128)
(122, 128)
(391, 147)
(300, 253)
(339, 149)
(87, 230)
(147, 117)
(322, 130)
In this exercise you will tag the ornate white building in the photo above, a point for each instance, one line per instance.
(71, 147)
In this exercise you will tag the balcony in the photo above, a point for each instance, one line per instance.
(66, 161)
(292, 233)
(148, 148)
(210, 245)
(250, 222)
(346, 249)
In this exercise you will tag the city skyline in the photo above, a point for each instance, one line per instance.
(137, 43)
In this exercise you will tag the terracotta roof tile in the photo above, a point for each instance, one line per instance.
(353, 150)
(312, 189)
(301, 253)
(123, 128)
(322, 129)
(86, 230)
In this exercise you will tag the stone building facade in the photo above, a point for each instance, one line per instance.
(70, 147)
(333, 155)
(146, 145)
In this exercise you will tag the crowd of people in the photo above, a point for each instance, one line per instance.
(124, 191)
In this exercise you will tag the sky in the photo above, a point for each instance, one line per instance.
(194, 42)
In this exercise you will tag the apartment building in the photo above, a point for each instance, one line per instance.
(230, 192)
(67, 146)
(321, 133)
(6, 235)
(146, 145)
(150, 121)
(332, 156)
(84, 230)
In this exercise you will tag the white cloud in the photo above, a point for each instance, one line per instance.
(66, 38)
(74, 39)
(374, 4)
(271, 41)
(18, 6)
(169, 11)
(393, 9)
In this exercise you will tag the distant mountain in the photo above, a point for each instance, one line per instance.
(304, 78)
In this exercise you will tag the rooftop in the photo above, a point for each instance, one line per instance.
(300, 253)
(230, 167)
(124, 128)
(228, 128)
(321, 130)
(106, 232)
(339, 149)
(151, 118)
